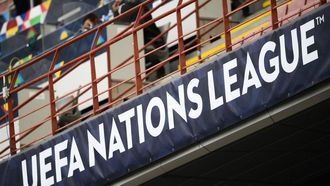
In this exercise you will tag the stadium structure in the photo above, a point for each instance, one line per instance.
(243, 98)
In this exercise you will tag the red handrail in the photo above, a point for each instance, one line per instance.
(140, 75)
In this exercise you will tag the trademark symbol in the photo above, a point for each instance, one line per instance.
(319, 20)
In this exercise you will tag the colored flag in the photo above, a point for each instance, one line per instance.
(100, 40)
(58, 65)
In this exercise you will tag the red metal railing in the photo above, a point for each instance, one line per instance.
(135, 84)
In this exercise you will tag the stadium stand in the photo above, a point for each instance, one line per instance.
(71, 29)
(54, 67)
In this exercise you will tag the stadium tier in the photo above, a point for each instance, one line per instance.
(166, 92)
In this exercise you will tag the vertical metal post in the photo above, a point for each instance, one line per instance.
(274, 16)
(198, 31)
(52, 95)
(94, 84)
(52, 103)
(109, 76)
(138, 80)
(182, 57)
(12, 139)
(93, 73)
(11, 124)
(226, 26)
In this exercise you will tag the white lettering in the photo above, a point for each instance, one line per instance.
(229, 80)
(290, 67)
(274, 62)
(195, 98)
(140, 123)
(34, 172)
(306, 42)
(250, 70)
(214, 102)
(155, 131)
(45, 167)
(127, 116)
(178, 107)
(60, 162)
(115, 140)
(94, 144)
(75, 159)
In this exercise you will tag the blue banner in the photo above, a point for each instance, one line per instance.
(189, 109)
